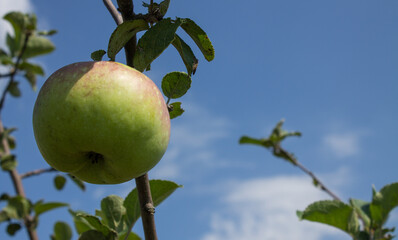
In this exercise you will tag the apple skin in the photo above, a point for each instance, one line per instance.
(103, 122)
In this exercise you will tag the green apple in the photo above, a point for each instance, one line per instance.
(103, 122)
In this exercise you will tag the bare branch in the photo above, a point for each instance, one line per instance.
(113, 11)
(37, 172)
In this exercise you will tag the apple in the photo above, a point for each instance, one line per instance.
(103, 122)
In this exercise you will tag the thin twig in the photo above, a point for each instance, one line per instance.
(19, 189)
(278, 150)
(14, 72)
(7, 74)
(113, 11)
(36, 172)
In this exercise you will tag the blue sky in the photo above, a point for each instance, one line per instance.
(329, 68)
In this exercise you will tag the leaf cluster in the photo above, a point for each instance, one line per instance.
(360, 219)
(152, 44)
(26, 43)
(116, 217)
(18, 208)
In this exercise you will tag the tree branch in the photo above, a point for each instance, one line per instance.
(15, 70)
(147, 207)
(126, 8)
(37, 172)
(278, 151)
(16, 180)
(113, 11)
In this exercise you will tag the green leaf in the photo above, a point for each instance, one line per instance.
(41, 208)
(18, 207)
(154, 42)
(8, 162)
(176, 84)
(122, 34)
(93, 234)
(32, 79)
(113, 211)
(18, 21)
(199, 37)
(78, 182)
(160, 190)
(383, 202)
(4, 216)
(12, 44)
(363, 210)
(62, 231)
(12, 228)
(47, 33)
(59, 182)
(81, 224)
(31, 67)
(175, 110)
(14, 90)
(36, 46)
(132, 236)
(98, 55)
(188, 57)
(99, 226)
(333, 213)
(255, 141)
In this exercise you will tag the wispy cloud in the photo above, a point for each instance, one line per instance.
(264, 208)
(342, 145)
(191, 143)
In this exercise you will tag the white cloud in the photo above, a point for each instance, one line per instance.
(265, 208)
(342, 144)
(191, 143)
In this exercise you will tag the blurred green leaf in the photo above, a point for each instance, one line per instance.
(122, 34)
(8, 162)
(363, 210)
(41, 207)
(132, 236)
(99, 226)
(154, 42)
(176, 110)
(98, 55)
(188, 57)
(81, 224)
(32, 79)
(249, 140)
(17, 208)
(383, 202)
(59, 182)
(12, 228)
(62, 231)
(333, 213)
(18, 22)
(199, 37)
(113, 211)
(176, 84)
(93, 235)
(78, 182)
(160, 190)
(14, 90)
(47, 33)
(4, 216)
(31, 67)
(36, 46)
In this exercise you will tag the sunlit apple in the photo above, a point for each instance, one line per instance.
(103, 122)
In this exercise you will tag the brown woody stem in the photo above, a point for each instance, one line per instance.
(126, 8)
